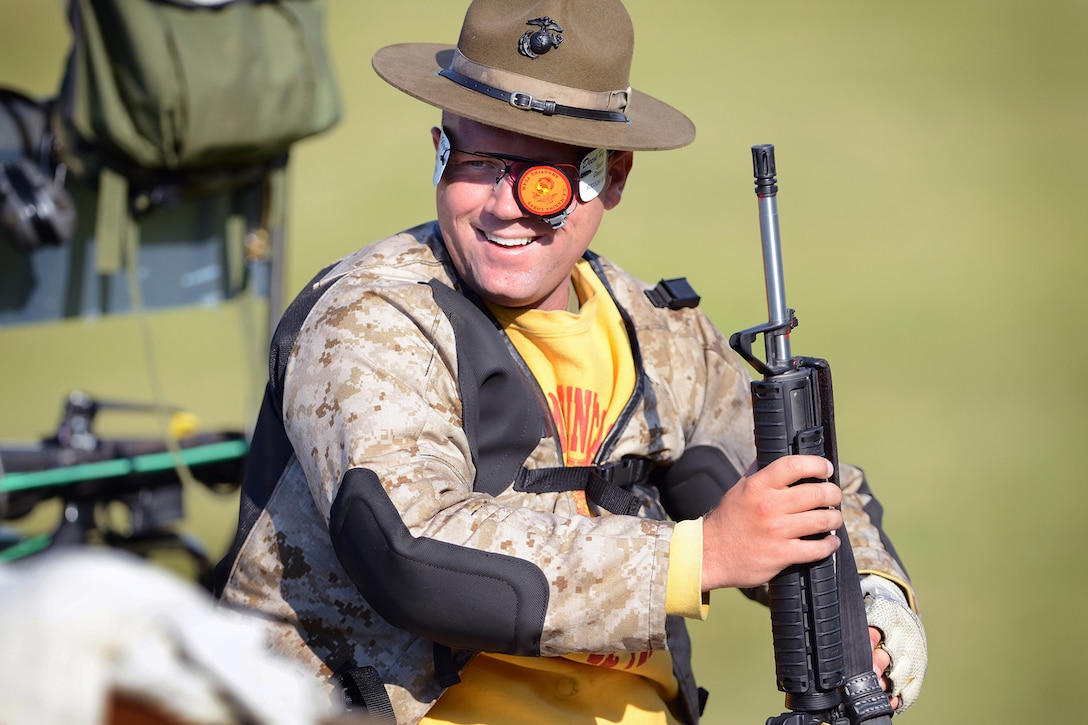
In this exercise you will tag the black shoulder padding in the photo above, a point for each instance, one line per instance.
(695, 483)
(269, 454)
(673, 294)
(501, 415)
(454, 595)
(283, 339)
(269, 450)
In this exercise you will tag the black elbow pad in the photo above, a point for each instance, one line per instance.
(453, 595)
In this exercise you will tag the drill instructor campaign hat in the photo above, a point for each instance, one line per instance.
(558, 70)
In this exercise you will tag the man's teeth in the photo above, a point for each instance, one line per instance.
(516, 242)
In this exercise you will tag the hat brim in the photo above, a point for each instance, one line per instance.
(413, 68)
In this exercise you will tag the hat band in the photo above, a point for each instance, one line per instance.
(591, 106)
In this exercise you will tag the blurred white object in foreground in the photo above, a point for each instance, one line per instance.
(92, 634)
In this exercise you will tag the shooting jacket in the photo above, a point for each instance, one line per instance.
(406, 508)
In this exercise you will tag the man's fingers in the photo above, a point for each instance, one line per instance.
(816, 496)
(788, 470)
(882, 662)
(808, 551)
(783, 475)
(809, 523)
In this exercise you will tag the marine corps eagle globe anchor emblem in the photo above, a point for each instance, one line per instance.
(538, 42)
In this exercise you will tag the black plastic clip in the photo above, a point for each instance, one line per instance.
(673, 294)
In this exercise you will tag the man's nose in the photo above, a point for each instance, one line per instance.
(501, 202)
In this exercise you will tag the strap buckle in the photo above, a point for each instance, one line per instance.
(521, 100)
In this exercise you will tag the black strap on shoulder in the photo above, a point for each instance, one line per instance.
(605, 485)
(364, 693)
(283, 340)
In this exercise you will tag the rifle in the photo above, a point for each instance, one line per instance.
(89, 474)
(823, 660)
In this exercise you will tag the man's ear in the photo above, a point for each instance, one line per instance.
(436, 133)
(619, 168)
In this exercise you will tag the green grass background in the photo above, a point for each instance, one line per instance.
(932, 159)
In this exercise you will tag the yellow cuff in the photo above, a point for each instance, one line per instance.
(684, 589)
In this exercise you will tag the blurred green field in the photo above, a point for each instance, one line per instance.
(931, 158)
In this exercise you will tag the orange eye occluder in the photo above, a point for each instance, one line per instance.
(544, 190)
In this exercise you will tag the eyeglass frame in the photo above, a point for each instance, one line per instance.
(508, 161)
(596, 159)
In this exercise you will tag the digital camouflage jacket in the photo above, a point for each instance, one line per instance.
(405, 504)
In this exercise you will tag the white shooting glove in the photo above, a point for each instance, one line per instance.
(886, 608)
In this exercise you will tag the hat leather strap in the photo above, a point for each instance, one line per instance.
(526, 101)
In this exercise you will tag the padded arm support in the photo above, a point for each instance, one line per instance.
(453, 595)
(695, 483)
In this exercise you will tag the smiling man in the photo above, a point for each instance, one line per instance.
(502, 250)
(494, 472)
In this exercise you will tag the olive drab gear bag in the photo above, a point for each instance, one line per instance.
(197, 93)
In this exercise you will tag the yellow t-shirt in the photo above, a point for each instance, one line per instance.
(582, 361)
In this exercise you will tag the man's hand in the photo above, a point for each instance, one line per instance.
(757, 529)
(882, 662)
(900, 653)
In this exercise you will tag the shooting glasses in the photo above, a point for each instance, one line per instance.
(542, 190)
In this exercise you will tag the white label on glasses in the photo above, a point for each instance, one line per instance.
(442, 157)
(592, 174)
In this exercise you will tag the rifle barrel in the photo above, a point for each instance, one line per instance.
(763, 168)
